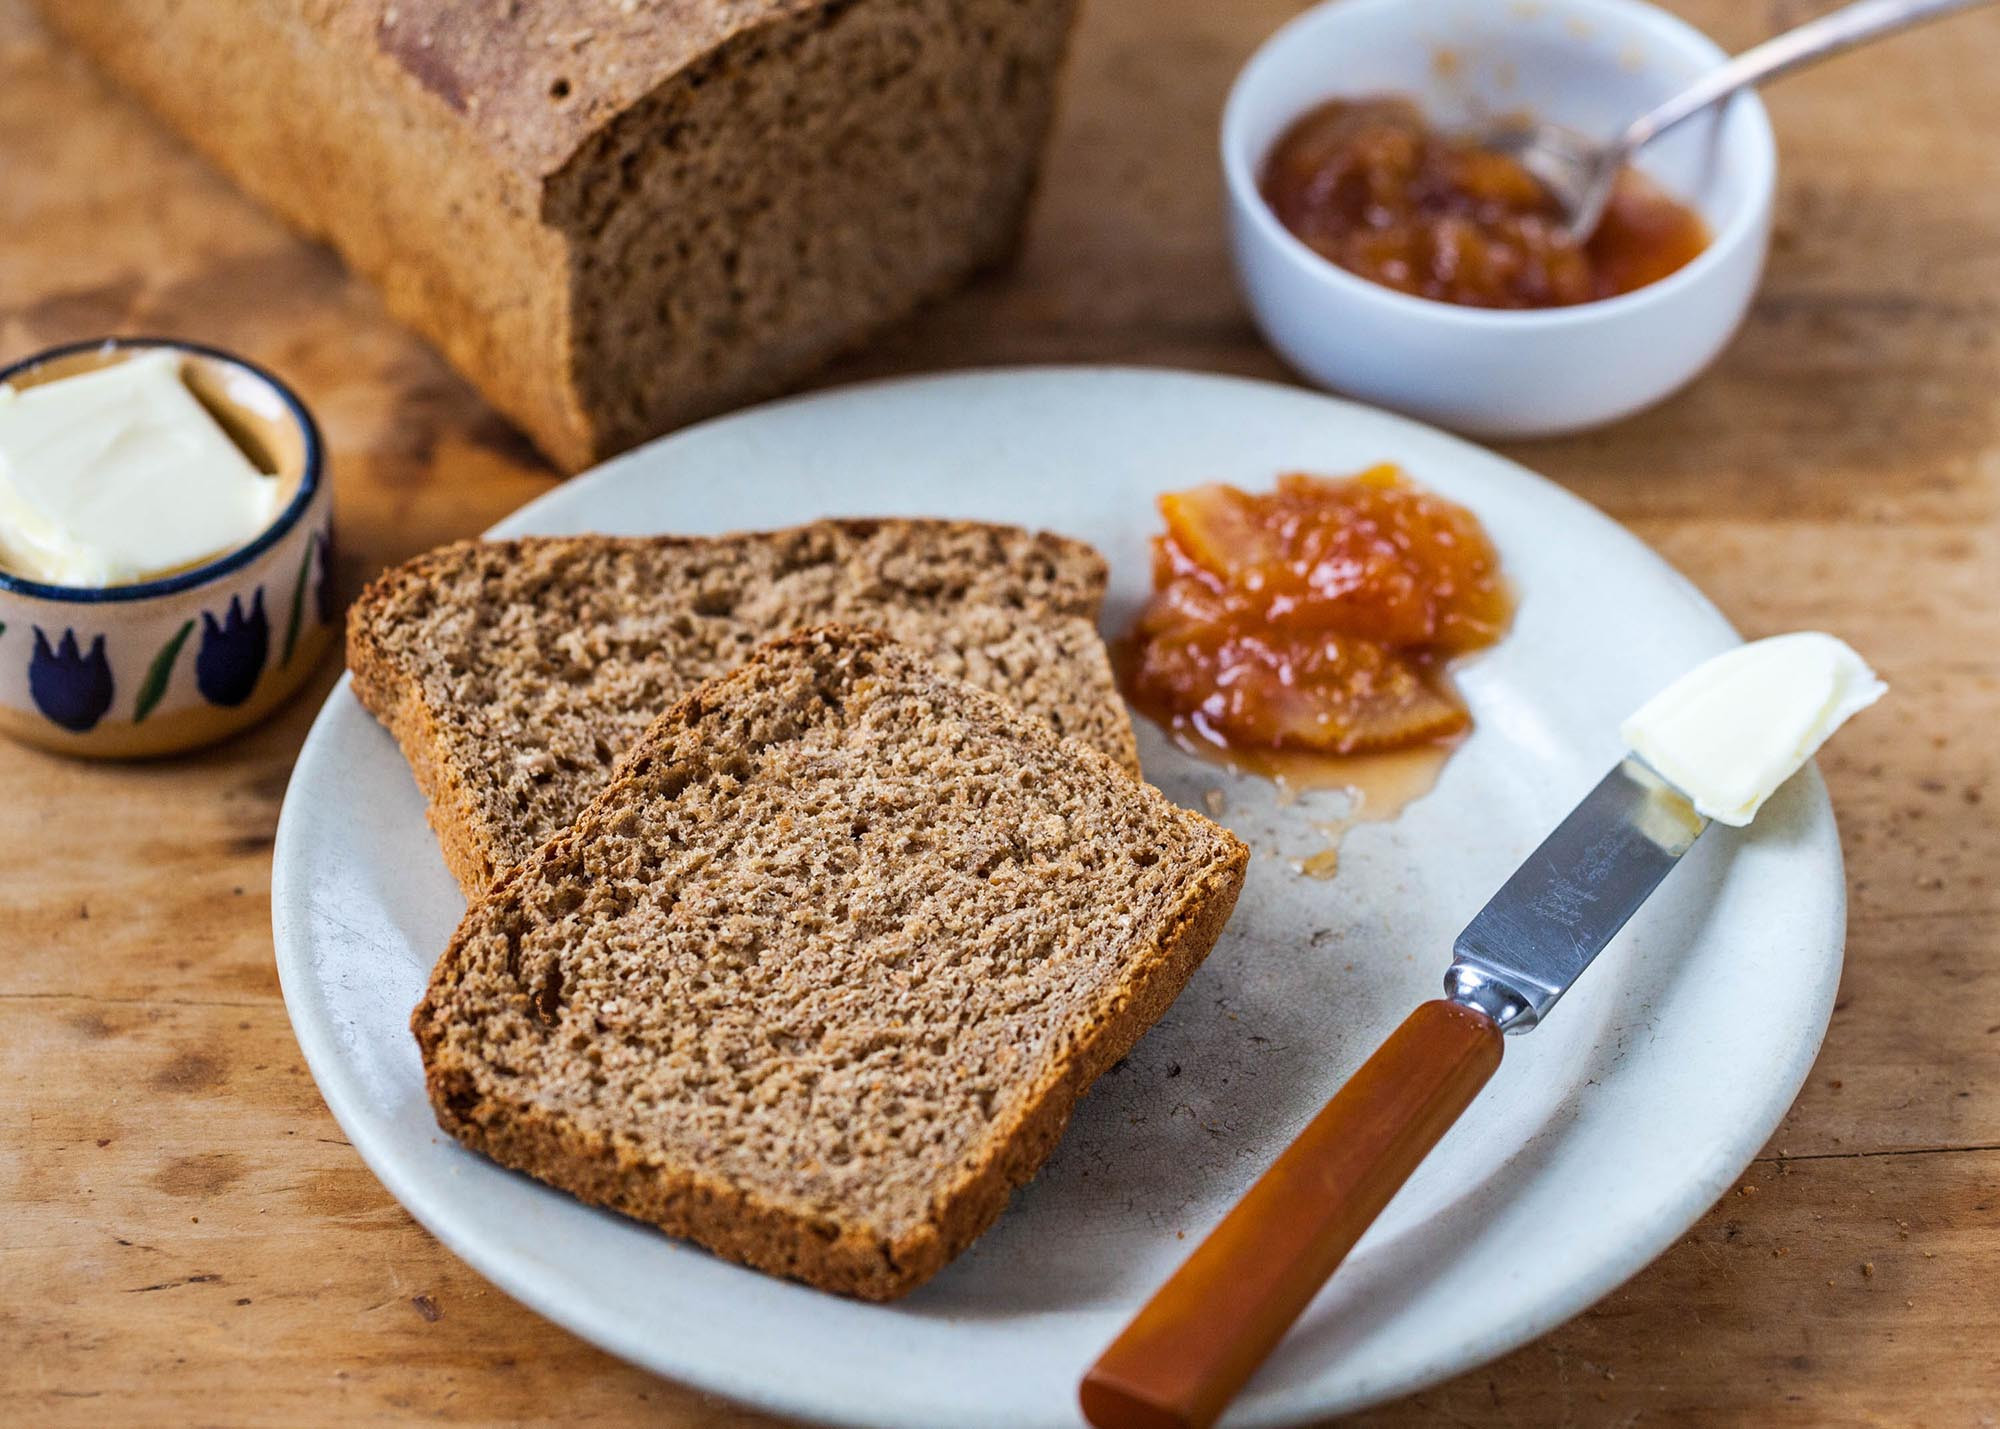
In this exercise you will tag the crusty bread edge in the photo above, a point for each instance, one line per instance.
(388, 690)
(395, 697)
(774, 1237)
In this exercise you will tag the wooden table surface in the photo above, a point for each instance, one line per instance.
(189, 1238)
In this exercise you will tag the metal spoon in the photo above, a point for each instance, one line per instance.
(1579, 172)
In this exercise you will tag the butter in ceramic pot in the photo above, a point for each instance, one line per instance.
(166, 547)
(120, 475)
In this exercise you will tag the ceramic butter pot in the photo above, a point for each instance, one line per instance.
(195, 655)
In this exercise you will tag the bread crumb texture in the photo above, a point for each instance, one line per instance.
(820, 976)
(515, 673)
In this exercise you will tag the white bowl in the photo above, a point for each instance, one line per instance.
(1589, 64)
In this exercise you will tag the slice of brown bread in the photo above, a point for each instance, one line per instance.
(514, 673)
(819, 978)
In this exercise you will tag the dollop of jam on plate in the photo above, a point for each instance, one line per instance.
(1317, 619)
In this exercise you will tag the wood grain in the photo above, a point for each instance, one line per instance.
(189, 1240)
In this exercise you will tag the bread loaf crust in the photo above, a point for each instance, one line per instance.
(827, 1250)
(615, 218)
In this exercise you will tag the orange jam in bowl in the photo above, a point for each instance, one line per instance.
(1370, 185)
(1317, 618)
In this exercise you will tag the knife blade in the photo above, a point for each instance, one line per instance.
(1568, 900)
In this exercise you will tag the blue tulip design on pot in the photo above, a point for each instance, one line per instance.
(233, 652)
(71, 688)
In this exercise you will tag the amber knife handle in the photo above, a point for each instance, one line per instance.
(1202, 1335)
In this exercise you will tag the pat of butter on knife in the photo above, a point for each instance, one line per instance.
(1731, 730)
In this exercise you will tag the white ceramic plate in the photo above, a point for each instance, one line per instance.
(1604, 1135)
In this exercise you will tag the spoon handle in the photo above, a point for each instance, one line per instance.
(1830, 34)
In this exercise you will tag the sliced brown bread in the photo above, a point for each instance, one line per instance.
(817, 980)
(515, 673)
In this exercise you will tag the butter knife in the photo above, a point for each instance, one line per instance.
(1201, 1336)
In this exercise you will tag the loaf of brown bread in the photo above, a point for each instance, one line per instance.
(515, 673)
(615, 216)
(818, 978)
